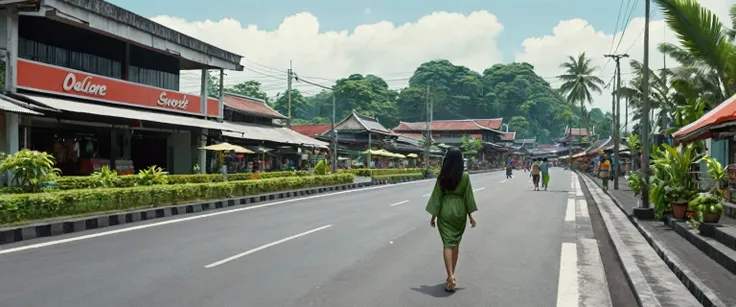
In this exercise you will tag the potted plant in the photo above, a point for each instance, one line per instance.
(707, 208)
(678, 197)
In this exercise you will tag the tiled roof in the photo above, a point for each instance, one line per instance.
(578, 132)
(251, 105)
(418, 136)
(508, 136)
(312, 130)
(493, 123)
(371, 123)
(452, 125)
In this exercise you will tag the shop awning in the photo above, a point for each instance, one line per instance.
(8, 104)
(271, 134)
(120, 112)
(721, 116)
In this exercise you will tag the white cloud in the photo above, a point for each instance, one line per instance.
(383, 48)
(394, 51)
(571, 37)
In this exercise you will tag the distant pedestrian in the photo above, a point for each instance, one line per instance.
(451, 204)
(535, 172)
(604, 171)
(545, 173)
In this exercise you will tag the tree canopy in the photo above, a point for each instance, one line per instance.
(514, 92)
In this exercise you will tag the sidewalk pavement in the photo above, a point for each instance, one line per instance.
(710, 282)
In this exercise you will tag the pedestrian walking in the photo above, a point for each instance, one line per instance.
(604, 171)
(451, 205)
(545, 173)
(535, 172)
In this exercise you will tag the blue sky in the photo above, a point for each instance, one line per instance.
(522, 18)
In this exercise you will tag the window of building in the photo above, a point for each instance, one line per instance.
(80, 49)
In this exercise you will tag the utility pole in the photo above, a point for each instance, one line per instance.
(334, 136)
(645, 211)
(428, 133)
(616, 116)
(289, 75)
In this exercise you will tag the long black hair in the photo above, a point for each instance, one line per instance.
(452, 169)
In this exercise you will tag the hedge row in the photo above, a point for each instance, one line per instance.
(24, 207)
(397, 177)
(87, 182)
(369, 172)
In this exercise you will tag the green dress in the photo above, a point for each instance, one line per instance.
(451, 209)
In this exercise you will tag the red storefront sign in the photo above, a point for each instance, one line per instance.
(56, 80)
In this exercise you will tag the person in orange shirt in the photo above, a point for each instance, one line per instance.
(604, 171)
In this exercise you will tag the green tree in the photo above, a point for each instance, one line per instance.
(579, 82)
(707, 43)
(249, 88)
(298, 104)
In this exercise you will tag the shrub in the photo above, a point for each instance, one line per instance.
(32, 206)
(105, 178)
(367, 172)
(152, 176)
(397, 177)
(87, 182)
(30, 169)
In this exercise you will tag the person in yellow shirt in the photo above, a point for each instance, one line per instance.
(604, 171)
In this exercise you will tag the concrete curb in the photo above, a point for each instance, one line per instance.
(638, 284)
(55, 228)
(700, 291)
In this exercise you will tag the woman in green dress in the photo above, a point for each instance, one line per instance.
(451, 205)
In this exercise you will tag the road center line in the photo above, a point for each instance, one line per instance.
(479, 189)
(427, 195)
(399, 203)
(503, 181)
(262, 247)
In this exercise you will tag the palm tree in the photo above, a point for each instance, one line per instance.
(580, 83)
(708, 47)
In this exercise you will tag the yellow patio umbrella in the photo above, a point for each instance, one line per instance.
(227, 147)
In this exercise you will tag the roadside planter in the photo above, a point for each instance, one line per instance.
(678, 197)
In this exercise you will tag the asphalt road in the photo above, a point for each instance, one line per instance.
(370, 247)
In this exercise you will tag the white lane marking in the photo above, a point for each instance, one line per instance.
(399, 203)
(479, 189)
(427, 195)
(567, 286)
(262, 247)
(570, 211)
(503, 181)
(191, 218)
(583, 208)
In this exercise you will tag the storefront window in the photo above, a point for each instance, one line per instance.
(35, 51)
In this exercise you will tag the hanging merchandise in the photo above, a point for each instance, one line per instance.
(89, 148)
(76, 149)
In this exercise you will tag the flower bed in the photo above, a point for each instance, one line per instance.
(87, 182)
(31, 206)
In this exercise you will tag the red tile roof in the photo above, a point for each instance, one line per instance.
(494, 123)
(452, 125)
(578, 131)
(312, 130)
(251, 105)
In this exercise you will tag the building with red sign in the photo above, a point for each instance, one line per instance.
(97, 85)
